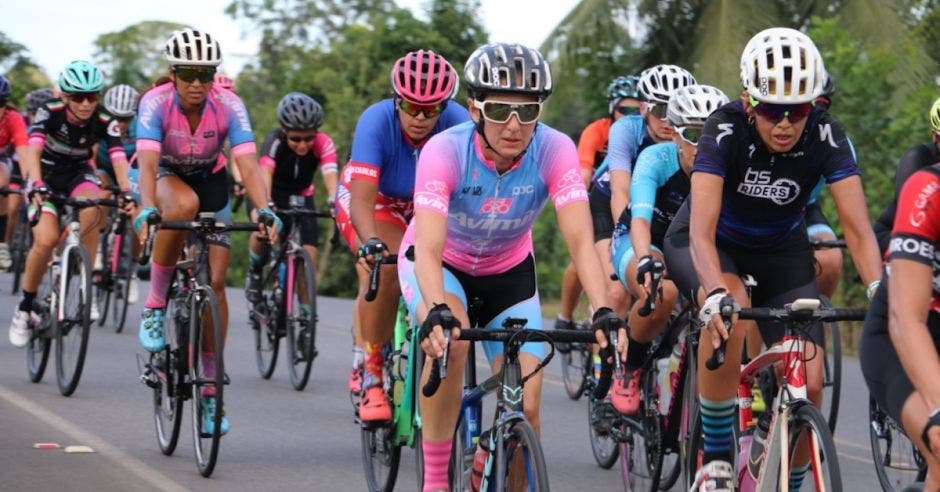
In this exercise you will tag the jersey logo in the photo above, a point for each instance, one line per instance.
(571, 177)
(726, 129)
(825, 134)
(113, 129)
(919, 215)
(473, 190)
(42, 114)
(523, 190)
(758, 184)
(496, 205)
(208, 134)
(750, 151)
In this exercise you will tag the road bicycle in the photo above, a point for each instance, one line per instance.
(117, 270)
(175, 374)
(21, 240)
(287, 306)
(796, 427)
(64, 301)
(898, 463)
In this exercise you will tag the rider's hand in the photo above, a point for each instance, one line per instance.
(646, 268)
(238, 189)
(37, 193)
(127, 203)
(710, 316)
(269, 224)
(142, 220)
(604, 320)
(370, 251)
(432, 330)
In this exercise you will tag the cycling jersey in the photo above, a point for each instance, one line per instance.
(490, 215)
(916, 232)
(12, 128)
(67, 145)
(628, 137)
(915, 158)
(129, 143)
(765, 194)
(162, 127)
(592, 145)
(293, 174)
(658, 187)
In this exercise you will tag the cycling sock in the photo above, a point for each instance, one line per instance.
(562, 318)
(27, 303)
(358, 356)
(372, 375)
(254, 261)
(636, 353)
(160, 277)
(597, 366)
(796, 476)
(207, 359)
(717, 427)
(436, 458)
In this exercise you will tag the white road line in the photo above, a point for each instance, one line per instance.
(149, 475)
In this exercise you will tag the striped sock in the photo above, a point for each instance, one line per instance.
(717, 426)
(436, 458)
(796, 476)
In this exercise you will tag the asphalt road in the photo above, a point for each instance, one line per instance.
(280, 438)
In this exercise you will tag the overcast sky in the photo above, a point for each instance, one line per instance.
(58, 31)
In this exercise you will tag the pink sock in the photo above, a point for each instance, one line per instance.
(207, 359)
(436, 458)
(160, 277)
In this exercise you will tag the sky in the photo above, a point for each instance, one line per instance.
(53, 42)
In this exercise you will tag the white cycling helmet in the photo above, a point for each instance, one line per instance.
(192, 47)
(657, 83)
(121, 101)
(782, 66)
(691, 105)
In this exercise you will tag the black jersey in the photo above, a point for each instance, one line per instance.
(293, 174)
(67, 146)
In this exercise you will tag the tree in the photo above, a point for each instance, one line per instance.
(133, 55)
(16, 65)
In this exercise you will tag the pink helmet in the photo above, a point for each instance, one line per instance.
(224, 81)
(424, 77)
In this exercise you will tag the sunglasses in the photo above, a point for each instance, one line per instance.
(657, 110)
(690, 134)
(190, 75)
(299, 138)
(413, 110)
(500, 112)
(628, 110)
(775, 113)
(81, 97)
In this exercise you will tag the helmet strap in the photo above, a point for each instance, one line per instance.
(480, 130)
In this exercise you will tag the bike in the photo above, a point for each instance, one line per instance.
(287, 306)
(117, 270)
(898, 463)
(175, 373)
(21, 240)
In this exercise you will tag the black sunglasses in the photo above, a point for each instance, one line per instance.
(81, 97)
(299, 138)
(190, 75)
(628, 110)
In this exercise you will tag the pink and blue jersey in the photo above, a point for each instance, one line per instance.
(163, 127)
(490, 215)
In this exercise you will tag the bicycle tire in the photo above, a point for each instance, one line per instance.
(301, 323)
(806, 417)
(380, 457)
(40, 341)
(419, 457)
(72, 331)
(204, 308)
(601, 420)
(832, 370)
(691, 443)
(167, 397)
(519, 435)
(22, 241)
(572, 373)
(264, 320)
(897, 462)
(641, 455)
(104, 284)
(122, 279)
(460, 465)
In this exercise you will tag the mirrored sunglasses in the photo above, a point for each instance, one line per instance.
(628, 110)
(500, 112)
(775, 113)
(413, 110)
(657, 110)
(691, 134)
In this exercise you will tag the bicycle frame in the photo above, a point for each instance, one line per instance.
(407, 414)
(71, 241)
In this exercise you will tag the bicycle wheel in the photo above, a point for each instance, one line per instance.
(103, 282)
(121, 278)
(897, 462)
(40, 341)
(380, 457)
(264, 318)
(460, 466)
(204, 316)
(520, 452)
(602, 417)
(21, 242)
(168, 370)
(641, 456)
(832, 370)
(574, 364)
(301, 321)
(72, 330)
(691, 439)
(807, 424)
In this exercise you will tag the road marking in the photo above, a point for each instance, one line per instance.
(145, 472)
(843, 442)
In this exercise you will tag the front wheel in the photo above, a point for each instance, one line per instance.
(521, 465)
(380, 457)
(168, 368)
(602, 420)
(104, 279)
(72, 330)
(263, 318)
(207, 388)
(122, 277)
(807, 426)
(301, 320)
(40, 337)
(832, 370)
(574, 366)
(897, 462)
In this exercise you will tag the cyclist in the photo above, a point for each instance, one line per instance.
(121, 101)
(610, 193)
(374, 199)
(622, 99)
(659, 186)
(224, 81)
(13, 137)
(479, 243)
(757, 162)
(179, 177)
(61, 144)
(917, 157)
(901, 336)
(290, 156)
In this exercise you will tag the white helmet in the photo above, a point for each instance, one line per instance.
(121, 101)
(192, 47)
(658, 82)
(782, 66)
(691, 105)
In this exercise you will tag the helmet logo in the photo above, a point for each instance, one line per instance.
(764, 86)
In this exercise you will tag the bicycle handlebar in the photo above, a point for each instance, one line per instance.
(657, 277)
(438, 370)
(74, 202)
(790, 315)
(373, 291)
(718, 356)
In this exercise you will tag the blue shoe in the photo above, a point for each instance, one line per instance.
(151, 329)
(208, 411)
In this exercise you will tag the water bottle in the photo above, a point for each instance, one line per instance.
(665, 385)
(756, 454)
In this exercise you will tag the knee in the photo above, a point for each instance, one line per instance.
(44, 240)
(530, 407)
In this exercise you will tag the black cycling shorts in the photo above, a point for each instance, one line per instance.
(600, 215)
(784, 273)
(497, 292)
(212, 192)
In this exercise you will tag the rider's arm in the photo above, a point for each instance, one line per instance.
(619, 192)
(648, 175)
(325, 148)
(859, 236)
(621, 150)
(591, 142)
(431, 233)
(147, 160)
(257, 183)
(703, 223)
(116, 153)
(365, 168)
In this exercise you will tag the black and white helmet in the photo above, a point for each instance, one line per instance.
(121, 101)
(508, 68)
(782, 66)
(658, 82)
(192, 47)
(298, 111)
(691, 105)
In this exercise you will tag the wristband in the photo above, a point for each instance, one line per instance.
(872, 288)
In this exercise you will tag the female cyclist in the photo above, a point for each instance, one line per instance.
(480, 187)
(12, 134)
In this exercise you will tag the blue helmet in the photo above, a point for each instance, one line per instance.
(623, 87)
(4, 87)
(81, 76)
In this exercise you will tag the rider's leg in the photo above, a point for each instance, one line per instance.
(828, 265)
(616, 294)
